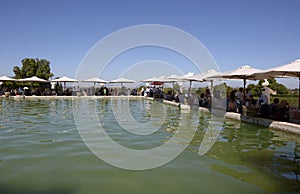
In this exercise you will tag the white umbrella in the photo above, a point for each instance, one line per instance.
(291, 69)
(186, 78)
(205, 77)
(121, 80)
(169, 79)
(242, 72)
(162, 79)
(64, 79)
(152, 79)
(5, 78)
(32, 79)
(175, 78)
(288, 70)
(95, 80)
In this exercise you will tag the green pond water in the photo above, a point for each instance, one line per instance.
(41, 151)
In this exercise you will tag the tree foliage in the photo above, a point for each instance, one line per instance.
(33, 67)
(279, 88)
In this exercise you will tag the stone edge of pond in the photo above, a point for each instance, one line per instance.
(282, 126)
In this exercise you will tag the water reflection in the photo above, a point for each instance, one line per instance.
(254, 154)
(41, 151)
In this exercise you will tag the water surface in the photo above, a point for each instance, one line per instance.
(41, 151)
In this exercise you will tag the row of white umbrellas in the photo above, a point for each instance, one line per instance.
(30, 79)
(66, 79)
(244, 72)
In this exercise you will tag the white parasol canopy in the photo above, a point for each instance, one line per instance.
(32, 79)
(160, 79)
(5, 78)
(121, 81)
(152, 79)
(186, 76)
(204, 76)
(64, 79)
(243, 72)
(95, 80)
(175, 78)
(288, 70)
(291, 69)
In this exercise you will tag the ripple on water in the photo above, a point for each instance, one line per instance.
(41, 147)
(47, 141)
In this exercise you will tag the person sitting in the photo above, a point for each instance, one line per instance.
(251, 102)
(169, 96)
(147, 92)
(263, 97)
(203, 102)
(284, 110)
(274, 110)
(133, 92)
(263, 105)
(279, 111)
(248, 93)
(231, 104)
(142, 91)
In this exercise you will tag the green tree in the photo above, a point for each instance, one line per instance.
(279, 88)
(255, 89)
(33, 67)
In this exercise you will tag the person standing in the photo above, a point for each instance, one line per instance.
(240, 96)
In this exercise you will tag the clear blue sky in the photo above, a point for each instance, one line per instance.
(261, 33)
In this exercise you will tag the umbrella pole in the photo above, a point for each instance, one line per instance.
(244, 87)
(173, 87)
(211, 87)
(93, 90)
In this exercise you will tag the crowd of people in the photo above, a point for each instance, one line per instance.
(236, 99)
(277, 110)
(27, 91)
